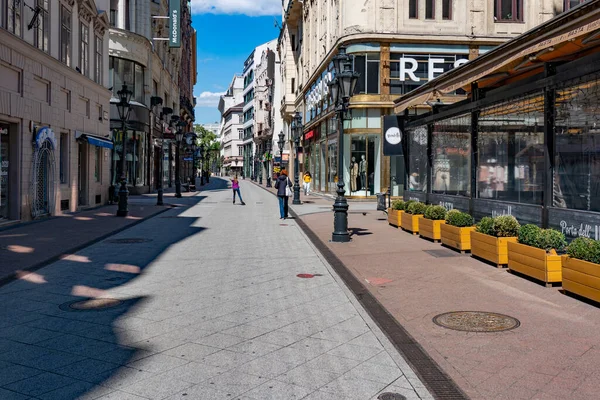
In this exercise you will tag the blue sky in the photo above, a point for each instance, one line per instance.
(228, 31)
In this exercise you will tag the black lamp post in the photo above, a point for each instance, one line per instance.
(280, 143)
(260, 165)
(178, 139)
(297, 130)
(341, 89)
(255, 165)
(194, 147)
(268, 163)
(124, 108)
(201, 165)
(166, 111)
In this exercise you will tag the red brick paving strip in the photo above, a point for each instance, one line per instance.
(30, 246)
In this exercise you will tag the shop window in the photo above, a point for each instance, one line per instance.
(409, 71)
(429, 9)
(368, 67)
(65, 35)
(84, 49)
(577, 161)
(114, 13)
(130, 73)
(417, 160)
(98, 165)
(413, 9)
(64, 157)
(446, 9)
(572, 3)
(362, 174)
(511, 151)
(508, 11)
(41, 34)
(451, 156)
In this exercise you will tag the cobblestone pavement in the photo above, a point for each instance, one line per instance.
(211, 308)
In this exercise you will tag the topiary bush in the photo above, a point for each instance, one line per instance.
(408, 203)
(459, 219)
(528, 235)
(585, 249)
(416, 208)
(506, 226)
(486, 226)
(551, 239)
(435, 213)
(398, 205)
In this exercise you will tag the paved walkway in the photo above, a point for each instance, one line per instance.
(212, 308)
(554, 354)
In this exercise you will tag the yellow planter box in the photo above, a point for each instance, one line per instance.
(411, 222)
(535, 263)
(394, 217)
(431, 228)
(581, 277)
(491, 248)
(457, 238)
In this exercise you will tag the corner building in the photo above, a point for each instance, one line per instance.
(397, 45)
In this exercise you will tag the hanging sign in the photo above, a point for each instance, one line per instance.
(392, 131)
(175, 26)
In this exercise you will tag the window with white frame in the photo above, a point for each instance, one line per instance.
(42, 32)
(98, 73)
(65, 35)
(240, 150)
(84, 48)
(508, 11)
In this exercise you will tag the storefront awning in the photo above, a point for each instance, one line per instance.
(94, 140)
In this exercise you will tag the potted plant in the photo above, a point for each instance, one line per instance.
(430, 225)
(489, 240)
(456, 232)
(535, 253)
(410, 218)
(394, 213)
(581, 268)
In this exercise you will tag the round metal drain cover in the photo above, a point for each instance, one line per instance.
(95, 304)
(476, 321)
(391, 396)
(129, 240)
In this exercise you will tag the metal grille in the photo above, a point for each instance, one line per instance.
(43, 181)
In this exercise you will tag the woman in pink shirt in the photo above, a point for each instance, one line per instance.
(235, 185)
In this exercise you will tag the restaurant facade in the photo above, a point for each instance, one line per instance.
(526, 141)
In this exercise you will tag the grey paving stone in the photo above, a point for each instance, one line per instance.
(264, 368)
(353, 352)
(254, 347)
(28, 335)
(247, 331)
(383, 358)
(408, 393)
(77, 390)
(40, 384)
(118, 395)
(374, 372)
(336, 335)
(119, 378)
(275, 390)
(319, 395)
(227, 359)
(308, 377)
(191, 351)
(123, 355)
(85, 368)
(157, 387)
(10, 395)
(158, 344)
(291, 355)
(331, 363)
(157, 363)
(281, 338)
(200, 392)
(21, 353)
(219, 340)
(358, 389)
(235, 383)
(194, 372)
(13, 372)
(366, 340)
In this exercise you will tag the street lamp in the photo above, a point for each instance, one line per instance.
(201, 164)
(166, 111)
(341, 89)
(269, 163)
(178, 138)
(194, 147)
(297, 130)
(280, 143)
(124, 109)
(260, 165)
(255, 164)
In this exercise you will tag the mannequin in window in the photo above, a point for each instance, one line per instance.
(362, 169)
(353, 174)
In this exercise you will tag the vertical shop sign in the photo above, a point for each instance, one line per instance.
(392, 135)
(175, 26)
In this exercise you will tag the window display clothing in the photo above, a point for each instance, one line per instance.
(353, 174)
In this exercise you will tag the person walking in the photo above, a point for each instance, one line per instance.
(235, 185)
(283, 185)
(307, 180)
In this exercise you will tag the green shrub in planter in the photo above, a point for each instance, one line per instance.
(459, 219)
(408, 203)
(506, 226)
(416, 208)
(435, 213)
(551, 239)
(486, 226)
(585, 249)
(398, 205)
(528, 234)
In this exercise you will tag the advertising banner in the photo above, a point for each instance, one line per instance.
(393, 126)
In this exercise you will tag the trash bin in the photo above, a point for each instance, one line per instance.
(381, 201)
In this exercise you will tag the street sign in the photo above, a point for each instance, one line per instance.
(175, 26)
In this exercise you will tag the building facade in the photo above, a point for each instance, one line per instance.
(231, 105)
(397, 46)
(54, 103)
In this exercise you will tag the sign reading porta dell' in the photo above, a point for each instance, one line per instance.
(175, 26)
(393, 126)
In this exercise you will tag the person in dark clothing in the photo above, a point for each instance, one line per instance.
(283, 186)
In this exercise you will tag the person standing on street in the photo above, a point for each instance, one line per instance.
(235, 185)
(283, 185)
(307, 180)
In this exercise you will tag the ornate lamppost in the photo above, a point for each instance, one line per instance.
(269, 163)
(260, 163)
(201, 164)
(166, 111)
(297, 130)
(178, 138)
(341, 89)
(280, 144)
(124, 109)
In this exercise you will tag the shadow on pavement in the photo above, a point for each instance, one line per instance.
(51, 350)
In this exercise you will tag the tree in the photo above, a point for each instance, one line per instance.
(208, 141)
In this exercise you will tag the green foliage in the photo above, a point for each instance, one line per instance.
(486, 226)
(398, 205)
(506, 226)
(585, 249)
(529, 234)
(459, 219)
(435, 212)
(416, 208)
(549, 239)
(408, 203)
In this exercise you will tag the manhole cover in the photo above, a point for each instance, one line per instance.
(391, 396)
(91, 304)
(442, 253)
(129, 240)
(476, 321)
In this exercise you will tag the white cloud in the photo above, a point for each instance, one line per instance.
(208, 99)
(247, 7)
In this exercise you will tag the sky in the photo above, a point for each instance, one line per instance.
(227, 32)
